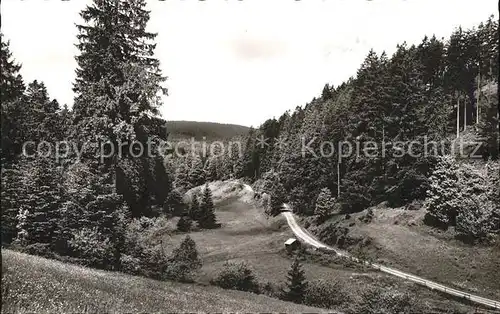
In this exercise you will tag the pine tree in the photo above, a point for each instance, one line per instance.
(44, 121)
(11, 195)
(296, 282)
(184, 261)
(194, 208)
(249, 161)
(13, 107)
(43, 204)
(72, 218)
(174, 204)
(277, 199)
(116, 54)
(181, 181)
(488, 127)
(12, 86)
(327, 92)
(324, 203)
(207, 216)
(118, 94)
(196, 175)
(210, 169)
(184, 224)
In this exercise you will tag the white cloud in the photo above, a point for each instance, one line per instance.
(240, 61)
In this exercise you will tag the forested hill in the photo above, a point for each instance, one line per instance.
(209, 130)
(411, 96)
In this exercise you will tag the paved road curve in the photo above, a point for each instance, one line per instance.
(307, 238)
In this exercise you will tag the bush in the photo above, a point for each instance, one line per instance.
(273, 290)
(441, 203)
(184, 224)
(324, 294)
(144, 232)
(464, 197)
(236, 276)
(183, 261)
(40, 249)
(387, 302)
(476, 219)
(153, 262)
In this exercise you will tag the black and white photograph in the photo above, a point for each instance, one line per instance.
(250, 156)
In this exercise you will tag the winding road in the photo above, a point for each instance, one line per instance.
(305, 237)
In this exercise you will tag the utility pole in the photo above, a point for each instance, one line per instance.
(338, 178)
(478, 96)
(465, 114)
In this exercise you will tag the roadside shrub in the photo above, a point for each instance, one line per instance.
(378, 301)
(324, 294)
(236, 276)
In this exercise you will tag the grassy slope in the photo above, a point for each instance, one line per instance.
(40, 285)
(209, 130)
(247, 234)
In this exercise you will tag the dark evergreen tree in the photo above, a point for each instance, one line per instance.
(13, 112)
(44, 201)
(71, 217)
(184, 224)
(184, 261)
(489, 127)
(12, 195)
(196, 175)
(194, 208)
(278, 197)
(181, 181)
(174, 204)
(210, 169)
(324, 204)
(296, 283)
(118, 93)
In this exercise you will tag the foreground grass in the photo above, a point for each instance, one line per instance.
(35, 284)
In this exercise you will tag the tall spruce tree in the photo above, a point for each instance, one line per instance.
(194, 207)
(118, 93)
(13, 108)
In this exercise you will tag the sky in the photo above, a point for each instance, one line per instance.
(240, 62)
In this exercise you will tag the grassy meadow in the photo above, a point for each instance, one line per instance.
(33, 284)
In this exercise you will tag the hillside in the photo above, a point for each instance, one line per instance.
(35, 284)
(248, 235)
(397, 237)
(209, 130)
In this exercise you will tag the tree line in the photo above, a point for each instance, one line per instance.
(86, 207)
